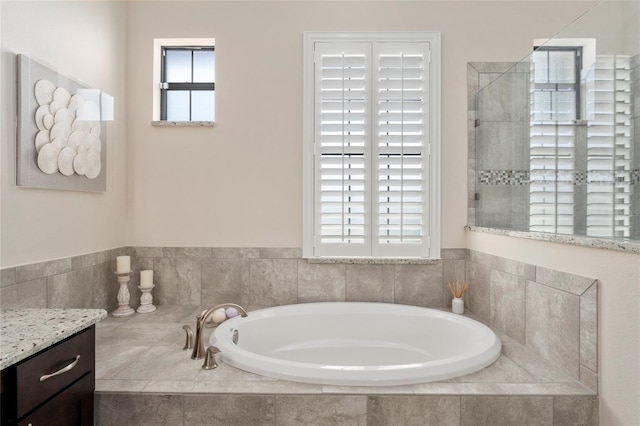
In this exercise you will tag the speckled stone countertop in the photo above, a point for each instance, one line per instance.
(628, 246)
(24, 332)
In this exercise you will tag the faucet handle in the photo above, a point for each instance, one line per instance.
(210, 358)
(188, 344)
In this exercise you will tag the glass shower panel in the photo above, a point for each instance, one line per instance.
(558, 136)
(502, 157)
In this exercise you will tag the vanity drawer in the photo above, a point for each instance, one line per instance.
(72, 358)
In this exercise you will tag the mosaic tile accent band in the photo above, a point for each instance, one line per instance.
(575, 177)
(503, 177)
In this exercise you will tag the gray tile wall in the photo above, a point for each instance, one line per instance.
(272, 276)
(553, 313)
(85, 281)
(205, 276)
(373, 410)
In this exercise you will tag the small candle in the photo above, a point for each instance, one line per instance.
(123, 264)
(146, 278)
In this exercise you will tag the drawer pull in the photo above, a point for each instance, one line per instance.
(62, 370)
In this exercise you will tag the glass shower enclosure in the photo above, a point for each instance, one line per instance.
(557, 136)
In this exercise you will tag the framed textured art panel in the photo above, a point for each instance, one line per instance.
(61, 130)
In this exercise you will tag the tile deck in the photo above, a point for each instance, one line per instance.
(142, 354)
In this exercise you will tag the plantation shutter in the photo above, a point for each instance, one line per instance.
(371, 149)
(609, 147)
(342, 150)
(401, 148)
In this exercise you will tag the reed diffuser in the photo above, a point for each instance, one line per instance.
(457, 291)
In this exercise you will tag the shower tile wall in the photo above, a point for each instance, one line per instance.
(499, 117)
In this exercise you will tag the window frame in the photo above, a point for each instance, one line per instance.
(166, 86)
(434, 192)
(158, 44)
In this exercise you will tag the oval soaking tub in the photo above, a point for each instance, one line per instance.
(356, 344)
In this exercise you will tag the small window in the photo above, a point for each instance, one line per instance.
(187, 84)
(183, 82)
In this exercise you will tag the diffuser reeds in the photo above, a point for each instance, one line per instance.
(457, 289)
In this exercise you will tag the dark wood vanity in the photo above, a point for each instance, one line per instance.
(52, 387)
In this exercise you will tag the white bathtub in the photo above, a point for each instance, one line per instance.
(356, 344)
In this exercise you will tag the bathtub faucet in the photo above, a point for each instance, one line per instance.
(198, 345)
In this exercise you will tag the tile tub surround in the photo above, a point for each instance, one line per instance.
(24, 332)
(514, 297)
(85, 281)
(280, 276)
(248, 276)
(144, 377)
(552, 313)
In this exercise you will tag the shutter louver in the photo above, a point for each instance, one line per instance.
(342, 173)
(401, 148)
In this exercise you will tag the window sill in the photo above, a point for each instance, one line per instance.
(164, 123)
(625, 245)
(371, 261)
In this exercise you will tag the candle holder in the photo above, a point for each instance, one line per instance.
(146, 300)
(124, 310)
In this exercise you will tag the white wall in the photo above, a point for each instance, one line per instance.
(85, 40)
(239, 183)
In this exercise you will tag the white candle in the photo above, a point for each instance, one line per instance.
(123, 264)
(146, 278)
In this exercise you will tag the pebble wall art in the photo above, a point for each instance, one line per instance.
(68, 141)
(61, 140)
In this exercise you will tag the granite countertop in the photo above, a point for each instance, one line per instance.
(24, 332)
(625, 245)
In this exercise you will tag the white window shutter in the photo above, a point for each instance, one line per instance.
(400, 149)
(609, 145)
(342, 151)
(371, 182)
